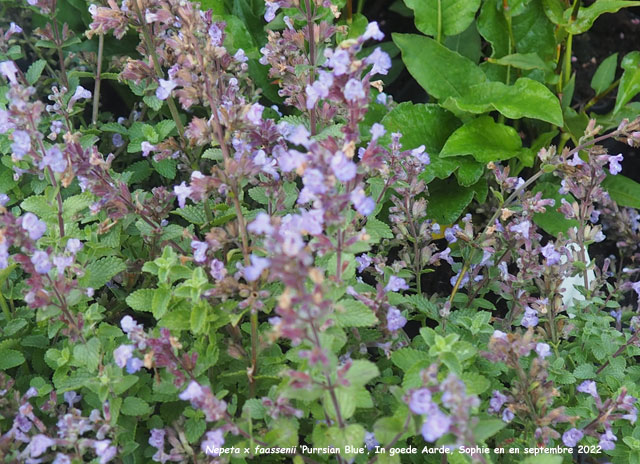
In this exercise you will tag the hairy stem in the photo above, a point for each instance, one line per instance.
(96, 89)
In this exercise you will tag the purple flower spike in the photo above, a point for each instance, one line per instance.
(571, 437)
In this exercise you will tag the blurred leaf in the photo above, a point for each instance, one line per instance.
(35, 71)
(624, 191)
(587, 15)
(99, 272)
(552, 221)
(447, 201)
(467, 43)
(454, 16)
(10, 358)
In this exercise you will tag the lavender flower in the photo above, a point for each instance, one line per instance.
(395, 284)
(34, 226)
(435, 425)
(395, 319)
(588, 386)
(270, 12)
(380, 61)
(105, 451)
(261, 224)
(217, 269)
(164, 88)
(117, 140)
(343, 168)
(530, 318)
(614, 164)
(550, 253)
(370, 440)
(157, 438)
(421, 155)
(54, 159)
(420, 401)
(363, 204)
(182, 191)
(199, 251)
(377, 131)
(74, 245)
(607, 440)
(213, 440)
(372, 32)
(353, 90)
(147, 148)
(39, 445)
(122, 354)
(21, 143)
(40, 261)
(543, 350)
(496, 402)
(364, 261)
(258, 264)
(521, 228)
(507, 415)
(9, 70)
(571, 437)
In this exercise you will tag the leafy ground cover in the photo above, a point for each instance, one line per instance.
(222, 239)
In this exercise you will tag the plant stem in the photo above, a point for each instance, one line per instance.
(312, 61)
(156, 65)
(439, 26)
(96, 89)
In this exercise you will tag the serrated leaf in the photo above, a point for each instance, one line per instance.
(198, 317)
(353, 313)
(100, 272)
(378, 229)
(604, 75)
(141, 300)
(193, 213)
(134, 406)
(443, 17)
(361, 372)
(485, 140)
(76, 203)
(10, 358)
(35, 71)
(166, 167)
(152, 102)
(194, 429)
(404, 358)
(38, 205)
(585, 371)
(164, 128)
(258, 195)
(114, 127)
(88, 354)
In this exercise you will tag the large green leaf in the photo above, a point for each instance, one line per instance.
(441, 72)
(447, 201)
(493, 27)
(100, 272)
(605, 74)
(467, 43)
(443, 17)
(526, 98)
(630, 82)
(624, 191)
(533, 32)
(586, 16)
(485, 140)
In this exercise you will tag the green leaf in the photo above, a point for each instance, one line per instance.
(152, 102)
(353, 313)
(114, 127)
(100, 272)
(586, 16)
(164, 128)
(193, 213)
(198, 317)
(35, 71)
(543, 459)
(552, 221)
(526, 98)
(467, 43)
(378, 229)
(604, 75)
(141, 300)
(447, 201)
(485, 140)
(38, 205)
(160, 302)
(493, 27)
(441, 72)
(134, 406)
(361, 372)
(404, 358)
(469, 171)
(166, 167)
(585, 371)
(533, 32)
(88, 354)
(443, 17)
(487, 428)
(630, 81)
(10, 358)
(624, 191)
(525, 61)
(258, 195)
